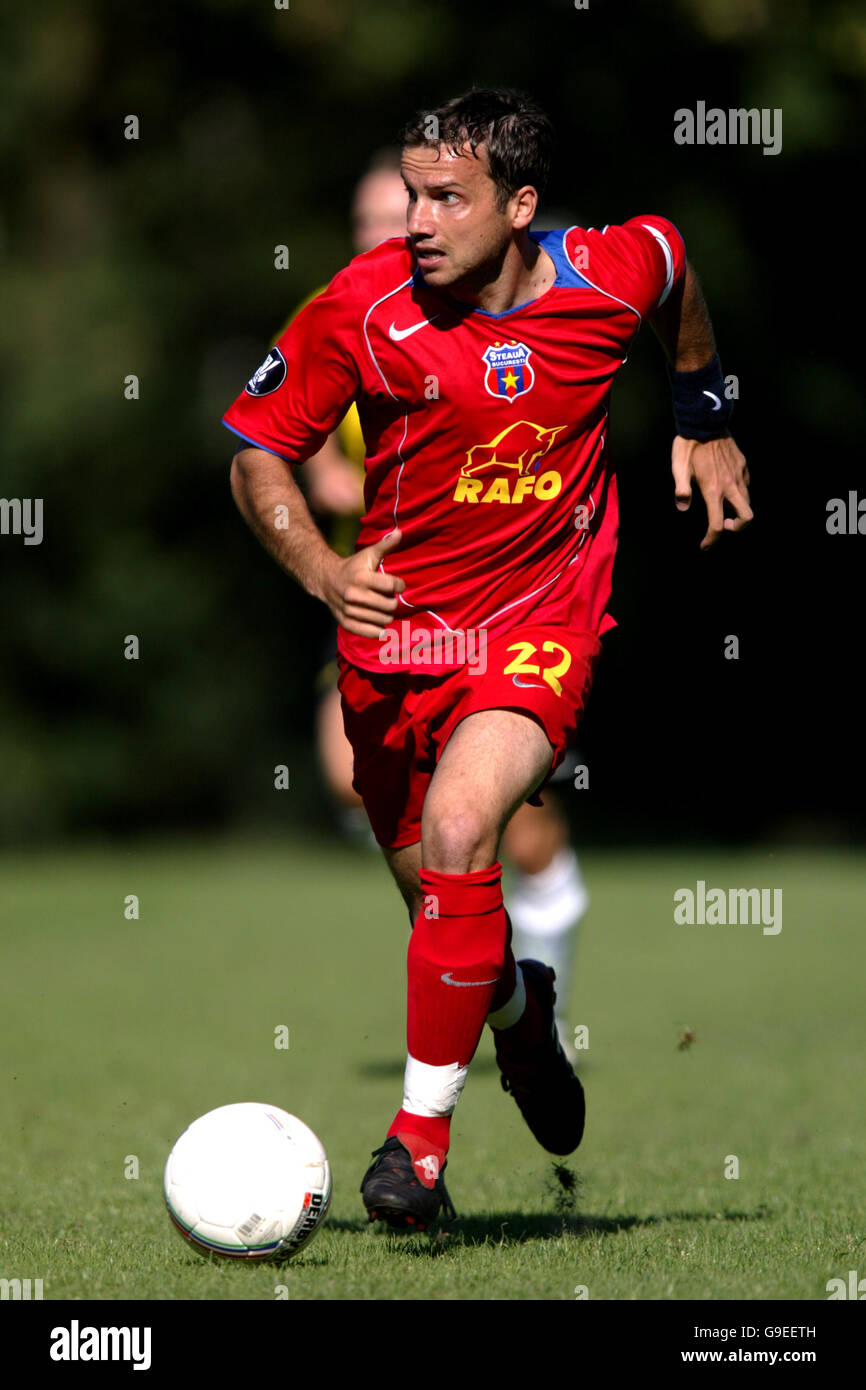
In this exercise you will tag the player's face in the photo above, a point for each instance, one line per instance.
(458, 233)
(379, 209)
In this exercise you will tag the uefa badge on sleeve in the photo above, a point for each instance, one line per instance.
(270, 375)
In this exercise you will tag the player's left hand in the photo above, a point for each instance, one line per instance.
(720, 471)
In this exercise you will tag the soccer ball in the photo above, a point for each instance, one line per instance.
(248, 1181)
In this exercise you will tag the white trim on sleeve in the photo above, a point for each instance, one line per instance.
(669, 261)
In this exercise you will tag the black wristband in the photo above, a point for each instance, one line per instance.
(701, 409)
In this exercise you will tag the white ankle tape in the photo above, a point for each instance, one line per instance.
(508, 1015)
(429, 1090)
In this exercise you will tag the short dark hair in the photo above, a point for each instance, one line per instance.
(517, 134)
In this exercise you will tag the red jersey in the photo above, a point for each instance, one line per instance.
(485, 434)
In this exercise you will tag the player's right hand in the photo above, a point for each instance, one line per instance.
(362, 598)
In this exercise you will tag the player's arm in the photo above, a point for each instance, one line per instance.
(682, 325)
(362, 599)
(286, 413)
(330, 483)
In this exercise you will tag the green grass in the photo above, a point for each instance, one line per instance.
(116, 1033)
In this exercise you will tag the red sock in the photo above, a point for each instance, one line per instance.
(455, 962)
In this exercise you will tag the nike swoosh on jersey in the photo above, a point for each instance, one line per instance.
(465, 984)
(398, 333)
(528, 685)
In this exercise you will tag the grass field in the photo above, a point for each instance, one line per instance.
(116, 1033)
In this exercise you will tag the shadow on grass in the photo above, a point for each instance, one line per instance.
(504, 1229)
(517, 1228)
(389, 1068)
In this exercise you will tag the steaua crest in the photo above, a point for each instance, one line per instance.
(508, 374)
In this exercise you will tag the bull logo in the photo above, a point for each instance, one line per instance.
(513, 456)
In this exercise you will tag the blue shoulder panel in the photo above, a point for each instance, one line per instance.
(553, 244)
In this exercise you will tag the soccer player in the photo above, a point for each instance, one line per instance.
(548, 896)
(481, 357)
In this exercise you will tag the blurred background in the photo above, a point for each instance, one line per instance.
(154, 257)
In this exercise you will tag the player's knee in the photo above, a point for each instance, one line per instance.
(455, 841)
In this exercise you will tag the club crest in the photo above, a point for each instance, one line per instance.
(508, 374)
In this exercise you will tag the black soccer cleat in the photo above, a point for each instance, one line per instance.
(393, 1192)
(543, 1083)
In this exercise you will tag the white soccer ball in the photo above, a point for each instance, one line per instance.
(248, 1181)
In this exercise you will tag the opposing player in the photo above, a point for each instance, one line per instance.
(481, 357)
(334, 487)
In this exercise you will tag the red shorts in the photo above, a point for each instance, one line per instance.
(398, 722)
